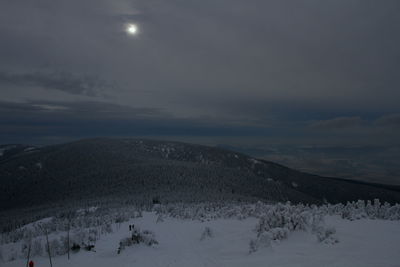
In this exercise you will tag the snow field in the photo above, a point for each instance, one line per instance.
(364, 242)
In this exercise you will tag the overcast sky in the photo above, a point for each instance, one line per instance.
(296, 72)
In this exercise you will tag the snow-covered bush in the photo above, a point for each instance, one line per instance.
(253, 246)
(75, 247)
(263, 240)
(207, 233)
(56, 248)
(106, 228)
(146, 237)
(280, 219)
(360, 209)
(326, 235)
(93, 235)
(122, 217)
(160, 218)
(279, 233)
(79, 236)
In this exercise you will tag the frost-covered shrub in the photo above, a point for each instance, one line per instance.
(125, 242)
(253, 246)
(160, 218)
(122, 217)
(278, 233)
(282, 219)
(89, 248)
(93, 235)
(326, 235)
(139, 214)
(263, 240)
(75, 247)
(79, 236)
(146, 237)
(64, 245)
(56, 248)
(317, 219)
(207, 233)
(106, 228)
(360, 209)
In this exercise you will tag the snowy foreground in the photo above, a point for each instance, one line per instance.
(226, 242)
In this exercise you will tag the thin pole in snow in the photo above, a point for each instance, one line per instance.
(29, 254)
(48, 247)
(68, 237)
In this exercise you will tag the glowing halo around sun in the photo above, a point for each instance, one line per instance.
(131, 29)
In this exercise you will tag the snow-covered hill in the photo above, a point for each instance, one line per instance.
(144, 171)
(10, 151)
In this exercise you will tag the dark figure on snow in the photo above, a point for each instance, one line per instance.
(31, 264)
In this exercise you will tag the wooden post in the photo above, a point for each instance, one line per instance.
(68, 237)
(48, 247)
(29, 254)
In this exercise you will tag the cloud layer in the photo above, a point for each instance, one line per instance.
(63, 81)
(265, 68)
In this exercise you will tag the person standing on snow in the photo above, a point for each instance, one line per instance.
(31, 264)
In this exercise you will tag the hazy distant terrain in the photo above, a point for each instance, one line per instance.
(146, 171)
(377, 164)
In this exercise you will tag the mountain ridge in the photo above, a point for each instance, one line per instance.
(149, 170)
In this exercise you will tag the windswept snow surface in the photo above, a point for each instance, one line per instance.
(363, 243)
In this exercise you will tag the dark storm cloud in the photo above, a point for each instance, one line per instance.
(63, 81)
